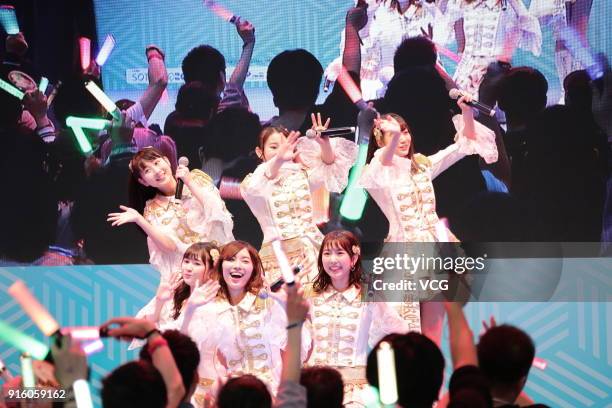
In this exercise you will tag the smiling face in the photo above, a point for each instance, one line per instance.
(337, 264)
(156, 173)
(237, 271)
(193, 270)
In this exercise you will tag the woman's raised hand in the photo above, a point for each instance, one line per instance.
(387, 125)
(286, 151)
(120, 218)
(204, 293)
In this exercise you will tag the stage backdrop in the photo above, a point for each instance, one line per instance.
(315, 25)
(574, 338)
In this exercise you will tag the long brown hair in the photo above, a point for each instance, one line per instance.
(138, 194)
(200, 251)
(230, 250)
(347, 241)
(376, 134)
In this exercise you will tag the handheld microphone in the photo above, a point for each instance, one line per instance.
(480, 107)
(183, 161)
(331, 132)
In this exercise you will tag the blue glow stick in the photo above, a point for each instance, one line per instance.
(8, 19)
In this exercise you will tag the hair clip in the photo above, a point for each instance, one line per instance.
(356, 250)
(214, 254)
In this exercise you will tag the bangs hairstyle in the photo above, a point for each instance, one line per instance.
(268, 131)
(137, 193)
(338, 239)
(230, 250)
(199, 251)
(376, 133)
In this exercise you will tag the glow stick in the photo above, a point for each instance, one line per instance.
(355, 198)
(220, 11)
(27, 371)
(104, 100)
(387, 381)
(283, 263)
(539, 363)
(583, 54)
(83, 333)
(85, 51)
(93, 347)
(87, 123)
(22, 342)
(53, 93)
(105, 51)
(8, 19)
(11, 89)
(37, 312)
(82, 140)
(351, 88)
(441, 230)
(448, 53)
(42, 86)
(82, 394)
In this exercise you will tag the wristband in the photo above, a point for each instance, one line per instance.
(156, 343)
(150, 332)
(293, 325)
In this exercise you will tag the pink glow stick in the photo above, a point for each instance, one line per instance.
(220, 11)
(85, 51)
(37, 312)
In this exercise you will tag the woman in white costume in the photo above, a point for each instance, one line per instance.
(242, 331)
(344, 326)
(172, 225)
(389, 23)
(493, 29)
(400, 181)
(279, 192)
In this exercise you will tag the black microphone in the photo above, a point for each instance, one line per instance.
(480, 107)
(339, 131)
(183, 161)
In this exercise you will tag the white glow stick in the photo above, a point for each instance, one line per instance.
(104, 100)
(387, 381)
(83, 333)
(283, 263)
(441, 230)
(105, 51)
(92, 347)
(82, 394)
(42, 86)
(27, 371)
(37, 312)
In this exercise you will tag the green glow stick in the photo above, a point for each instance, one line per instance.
(22, 341)
(355, 198)
(82, 140)
(11, 89)
(87, 123)
(104, 100)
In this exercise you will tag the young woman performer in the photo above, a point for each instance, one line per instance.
(249, 330)
(279, 191)
(493, 29)
(345, 327)
(400, 181)
(172, 225)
